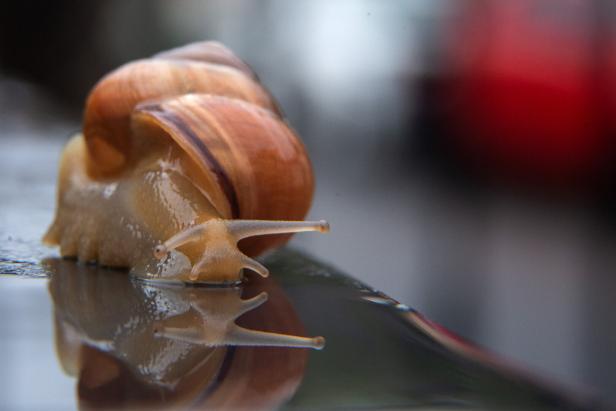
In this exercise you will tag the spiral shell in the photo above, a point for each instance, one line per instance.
(207, 68)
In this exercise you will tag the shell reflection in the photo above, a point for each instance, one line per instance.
(134, 344)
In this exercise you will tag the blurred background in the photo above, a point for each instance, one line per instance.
(464, 149)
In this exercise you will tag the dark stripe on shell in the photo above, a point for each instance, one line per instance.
(213, 164)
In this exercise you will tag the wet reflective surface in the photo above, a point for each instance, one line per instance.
(130, 344)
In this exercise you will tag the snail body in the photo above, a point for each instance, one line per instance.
(182, 156)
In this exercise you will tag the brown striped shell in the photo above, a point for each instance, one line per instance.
(211, 104)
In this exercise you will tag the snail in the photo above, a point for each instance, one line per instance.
(182, 155)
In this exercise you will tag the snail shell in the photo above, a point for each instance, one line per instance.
(182, 156)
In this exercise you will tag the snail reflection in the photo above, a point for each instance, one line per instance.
(132, 343)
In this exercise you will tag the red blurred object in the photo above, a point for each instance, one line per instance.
(530, 87)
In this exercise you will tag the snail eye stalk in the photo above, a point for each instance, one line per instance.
(250, 228)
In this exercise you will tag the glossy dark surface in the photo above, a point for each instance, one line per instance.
(378, 354)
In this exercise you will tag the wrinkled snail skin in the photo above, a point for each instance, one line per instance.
(182, 156)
